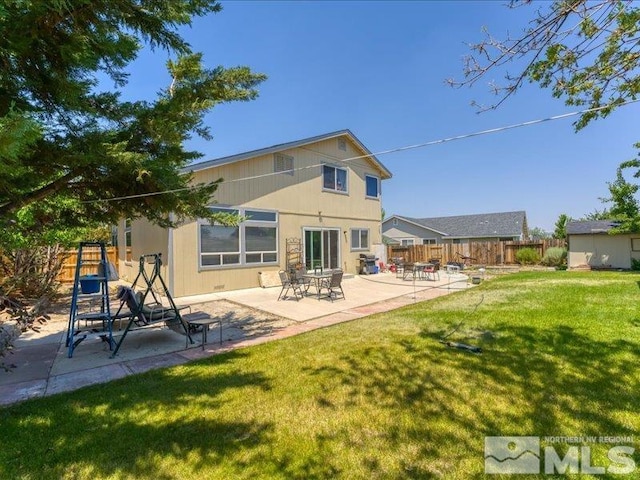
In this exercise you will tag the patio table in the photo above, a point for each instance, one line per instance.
(416, 270)
(317, 278)
(204, 320)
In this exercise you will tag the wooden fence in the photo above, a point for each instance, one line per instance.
(476, 253)
(69, 267)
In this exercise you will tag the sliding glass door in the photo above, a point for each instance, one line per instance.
(322, 248)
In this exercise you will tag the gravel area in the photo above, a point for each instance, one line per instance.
(238, 321)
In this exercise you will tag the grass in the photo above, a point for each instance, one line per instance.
(374, 398)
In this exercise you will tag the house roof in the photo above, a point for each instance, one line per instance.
(503, 224)
(286, 146)
(389, 241)
(589, 227)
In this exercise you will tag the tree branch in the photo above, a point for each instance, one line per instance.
(36, 195)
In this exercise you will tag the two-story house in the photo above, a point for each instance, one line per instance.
(314, 202)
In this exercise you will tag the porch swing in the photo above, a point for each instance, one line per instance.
(146, 308)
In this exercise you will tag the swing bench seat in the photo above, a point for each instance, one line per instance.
(140, 316)
(147, 314)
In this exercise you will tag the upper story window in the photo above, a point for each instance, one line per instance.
(342, 144)
(334, 178)
(372, 186)
(283, 163)
(395, 222)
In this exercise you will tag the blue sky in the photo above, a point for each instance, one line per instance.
(379, 69)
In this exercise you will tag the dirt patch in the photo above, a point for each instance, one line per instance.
(240, 321)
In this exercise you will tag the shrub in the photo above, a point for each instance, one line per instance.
(635, 264)
(527, 256)
(555, 256)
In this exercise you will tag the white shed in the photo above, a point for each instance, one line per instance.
(592, 245)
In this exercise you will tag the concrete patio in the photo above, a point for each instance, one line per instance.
(249, 317)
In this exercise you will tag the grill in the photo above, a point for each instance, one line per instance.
(367, 263)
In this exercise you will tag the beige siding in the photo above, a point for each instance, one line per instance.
(190, 279)
(611, 251)
(298, 193)
(300, 202)
(146, 238)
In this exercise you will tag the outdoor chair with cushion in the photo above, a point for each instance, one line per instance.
(287, 285)
(431, 271)
(146, 314)
(332, 285)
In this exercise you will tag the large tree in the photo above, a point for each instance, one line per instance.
(586, 52)
(67, 143)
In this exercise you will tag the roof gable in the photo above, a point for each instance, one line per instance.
(385, 173)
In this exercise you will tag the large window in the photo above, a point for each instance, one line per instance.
(334, 178)
(360, 239)
(373, 186)
(429, 241)
(405, 242)
(253, 241)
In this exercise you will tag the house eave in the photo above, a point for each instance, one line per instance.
(218, 162)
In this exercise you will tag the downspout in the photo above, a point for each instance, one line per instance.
(170, 255)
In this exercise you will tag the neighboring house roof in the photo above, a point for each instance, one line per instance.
(504, 224)
(589, 227)
(286, 146)
(389, 241)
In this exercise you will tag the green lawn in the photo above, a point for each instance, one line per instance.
(374, 398)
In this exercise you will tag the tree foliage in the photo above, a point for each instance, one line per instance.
(538, 233)
(586, 52)
(66, 144)
(560, 230)
(625, 208)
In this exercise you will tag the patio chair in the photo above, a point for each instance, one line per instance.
(332, 285)
(287, 285)
(408, 270)
(431, 271)
(300, 280)
(399, 264)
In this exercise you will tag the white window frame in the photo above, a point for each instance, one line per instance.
(429, 241)
(335, 179)
(359, 247)
(378, 185)
(242, 253)
(405, 242)
(394, 222)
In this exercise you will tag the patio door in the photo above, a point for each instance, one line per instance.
(322, 248)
